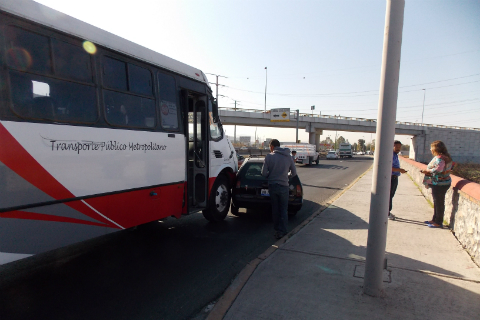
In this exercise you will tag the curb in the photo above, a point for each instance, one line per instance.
(231, 293)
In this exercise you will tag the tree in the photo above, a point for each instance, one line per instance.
(361, 144)
(355, 146)
(340, 140)
(327, 142)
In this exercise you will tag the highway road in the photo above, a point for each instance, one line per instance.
(171, 269)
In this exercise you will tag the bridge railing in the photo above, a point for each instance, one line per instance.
(349, 118)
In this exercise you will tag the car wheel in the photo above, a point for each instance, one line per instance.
(219, 201)
(234, 210)
(318, 161)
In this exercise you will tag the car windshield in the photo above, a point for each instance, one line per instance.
(331, 152)
(252, 171)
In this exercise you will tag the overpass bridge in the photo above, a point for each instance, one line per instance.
(462, 143)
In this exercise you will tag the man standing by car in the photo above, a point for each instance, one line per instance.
(276, 167)
(396, 171)
(294, 156)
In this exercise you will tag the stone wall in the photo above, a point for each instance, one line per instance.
(462, 207)
(461, 144)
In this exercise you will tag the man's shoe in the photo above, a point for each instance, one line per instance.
(391, 216)
(279, 235)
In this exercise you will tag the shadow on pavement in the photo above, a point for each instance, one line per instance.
(329, 234)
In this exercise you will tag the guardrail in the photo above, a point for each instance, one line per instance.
(351, 118)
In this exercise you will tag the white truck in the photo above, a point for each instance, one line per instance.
(345, 150)
(306, 153)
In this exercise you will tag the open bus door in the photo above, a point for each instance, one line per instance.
(197, 150)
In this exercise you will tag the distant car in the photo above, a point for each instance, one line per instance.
(251, 189)
(243, 148)
(332, 155)
(361, 153)
(240, 159)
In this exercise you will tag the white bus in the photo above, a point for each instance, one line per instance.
(98, 134)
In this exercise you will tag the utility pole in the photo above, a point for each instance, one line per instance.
(382, 170)
(216, 83)
(424, 92)
(296, 141)
(235, 127)
(266, 89)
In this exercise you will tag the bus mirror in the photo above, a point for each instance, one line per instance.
(216, 119)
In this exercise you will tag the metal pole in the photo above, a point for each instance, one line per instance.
(382, 167)
(217, 90)
(424, 92)
(296, 141)
(336, 132)
(216, 83)
(235, 127)
(265, 89)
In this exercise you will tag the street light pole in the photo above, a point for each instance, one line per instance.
(382, 170)
(265, 89)
(423, 108)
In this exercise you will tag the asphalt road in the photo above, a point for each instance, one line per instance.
(170, 269)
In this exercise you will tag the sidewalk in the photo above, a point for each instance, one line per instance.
(318, 272)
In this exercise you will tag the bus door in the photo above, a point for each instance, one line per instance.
(197, 154)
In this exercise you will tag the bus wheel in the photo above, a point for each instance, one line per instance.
(219, 202)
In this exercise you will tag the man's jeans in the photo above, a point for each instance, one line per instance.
(279, 198)
(393, 188)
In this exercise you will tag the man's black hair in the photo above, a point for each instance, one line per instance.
(294, 151)
(275, 143)
(397, 142)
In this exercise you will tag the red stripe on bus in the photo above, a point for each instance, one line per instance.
(14, 156)
(47, 217)
(141, 206)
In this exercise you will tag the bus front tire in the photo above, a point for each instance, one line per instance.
(219, 201)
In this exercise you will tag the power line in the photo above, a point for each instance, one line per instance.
(348, 94)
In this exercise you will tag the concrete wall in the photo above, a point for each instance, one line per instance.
(462, 207)
(463, 145)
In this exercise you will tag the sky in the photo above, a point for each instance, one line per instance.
(322, 53)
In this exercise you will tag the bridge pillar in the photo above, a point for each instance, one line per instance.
(314, 136)
(418, 145)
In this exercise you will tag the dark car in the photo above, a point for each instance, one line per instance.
(240, 159)
(251, 189)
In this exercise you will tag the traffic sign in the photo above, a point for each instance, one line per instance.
(280, 115)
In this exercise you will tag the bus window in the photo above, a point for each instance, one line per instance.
(139, 80)
(168, 101)
(71, 61)
(114, 74)
(128, 110)
(40, 97)
(28, 51)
